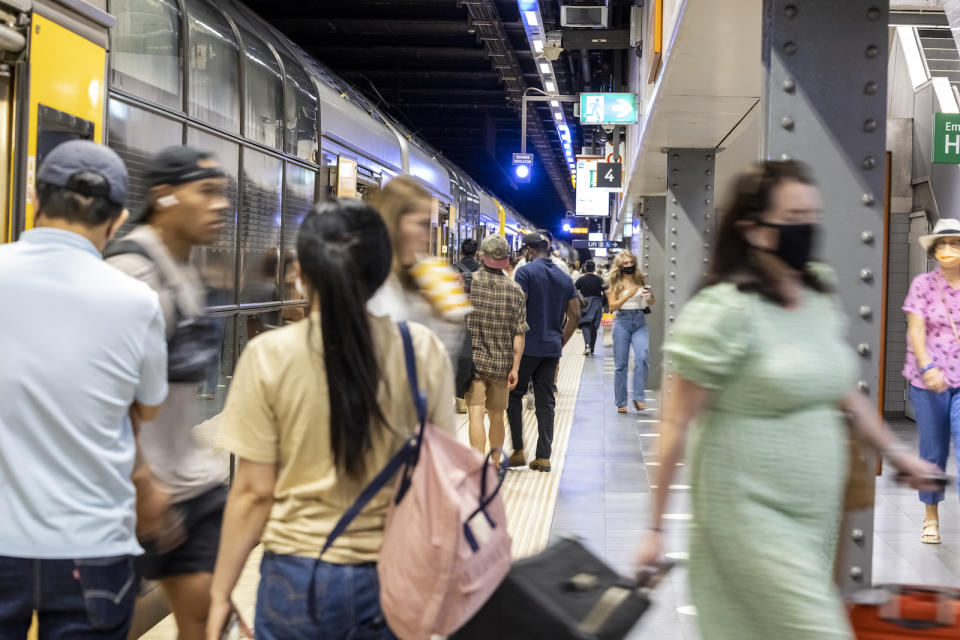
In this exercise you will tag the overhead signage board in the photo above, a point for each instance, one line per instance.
(609, 175)
(597, 244)
(523, 158)
(946, 138)
(591, 201)
(608, 108)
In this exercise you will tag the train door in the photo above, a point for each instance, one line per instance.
(58, 95)
(917, 263)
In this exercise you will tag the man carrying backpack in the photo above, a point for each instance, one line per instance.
(185, 207)
(468, 262)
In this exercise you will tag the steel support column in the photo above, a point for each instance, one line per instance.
(652, 255)
(825, 104)
(689, 225)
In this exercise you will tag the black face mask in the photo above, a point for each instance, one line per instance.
(629, 270)
(796, 243)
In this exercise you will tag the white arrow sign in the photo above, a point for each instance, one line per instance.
(622, 108)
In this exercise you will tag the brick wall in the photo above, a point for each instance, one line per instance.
(897, 285)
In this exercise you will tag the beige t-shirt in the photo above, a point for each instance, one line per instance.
(277, 412)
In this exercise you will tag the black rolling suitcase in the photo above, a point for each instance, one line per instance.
(562, 593)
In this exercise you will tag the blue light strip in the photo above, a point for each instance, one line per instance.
(536, 36)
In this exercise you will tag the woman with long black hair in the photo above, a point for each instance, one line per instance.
(316, 409)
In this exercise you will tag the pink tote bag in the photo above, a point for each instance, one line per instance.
(445, 548)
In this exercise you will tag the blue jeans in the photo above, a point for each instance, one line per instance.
(306, 598)
(938, 416)
(75, 599)
(630, 329)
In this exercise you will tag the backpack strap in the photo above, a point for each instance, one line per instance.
(404, 459)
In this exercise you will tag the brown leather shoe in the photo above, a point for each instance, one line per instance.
(517, 459)
(540, 464)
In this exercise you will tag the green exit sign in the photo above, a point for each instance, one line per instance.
(608, 108)
(946, 138)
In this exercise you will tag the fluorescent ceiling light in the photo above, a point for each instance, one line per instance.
(531, 17)
(554, 103)
(537, 45)
(546, 68)
(558, 115)
(549, 86)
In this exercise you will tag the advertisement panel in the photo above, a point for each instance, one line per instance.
(591, 201)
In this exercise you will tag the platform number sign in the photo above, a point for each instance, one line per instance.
(609, 175)
(946, 138)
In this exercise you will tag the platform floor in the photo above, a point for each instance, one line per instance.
(605, 498)
(599, 490)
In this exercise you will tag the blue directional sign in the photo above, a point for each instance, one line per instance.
(608, 108)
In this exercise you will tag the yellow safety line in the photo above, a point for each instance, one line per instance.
(530, 497)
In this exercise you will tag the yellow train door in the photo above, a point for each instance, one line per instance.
(59, 94)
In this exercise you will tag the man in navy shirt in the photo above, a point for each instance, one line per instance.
(553, 312)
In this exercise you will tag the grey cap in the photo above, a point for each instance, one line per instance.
(70, 158)
(495, 252)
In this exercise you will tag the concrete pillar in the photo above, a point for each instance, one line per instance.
(652, 257)
(825, 104)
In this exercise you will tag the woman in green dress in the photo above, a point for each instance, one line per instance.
(758, 362)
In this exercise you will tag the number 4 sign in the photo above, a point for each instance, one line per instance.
(609, 175)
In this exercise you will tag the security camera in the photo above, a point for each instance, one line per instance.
(553, 46)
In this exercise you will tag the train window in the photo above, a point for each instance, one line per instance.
(145, 50)
(297, 200)
(250, 326)
(260, 228)
(212, 393)
(263, 89)
(218, 261)
(300, 133)
(135, 134)
(213, 92)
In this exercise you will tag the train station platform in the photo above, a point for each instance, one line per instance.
(600, 490)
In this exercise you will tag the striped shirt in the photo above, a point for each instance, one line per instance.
(499, 314)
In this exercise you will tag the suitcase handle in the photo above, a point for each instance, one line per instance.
(650, 577)
(945, 612)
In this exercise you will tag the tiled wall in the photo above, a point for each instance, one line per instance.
(897, 285)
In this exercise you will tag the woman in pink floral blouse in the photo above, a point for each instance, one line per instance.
(933, 358)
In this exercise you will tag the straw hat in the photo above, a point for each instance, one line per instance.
(945, 228)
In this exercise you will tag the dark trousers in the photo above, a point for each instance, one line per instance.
(74, 599)
(542, 372)
(590, 332)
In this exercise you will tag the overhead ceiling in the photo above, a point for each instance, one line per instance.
(434, 67)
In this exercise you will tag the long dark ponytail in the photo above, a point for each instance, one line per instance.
(344, 252)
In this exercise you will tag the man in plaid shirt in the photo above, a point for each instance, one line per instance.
(498, 325)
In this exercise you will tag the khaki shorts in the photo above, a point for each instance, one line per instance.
(492, 395)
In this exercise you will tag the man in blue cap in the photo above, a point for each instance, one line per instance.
(83, 356)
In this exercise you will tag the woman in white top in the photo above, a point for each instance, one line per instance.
(629, 297)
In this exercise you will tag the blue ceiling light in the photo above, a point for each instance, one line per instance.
(566, 227)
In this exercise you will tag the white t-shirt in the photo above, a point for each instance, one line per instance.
(639, 300)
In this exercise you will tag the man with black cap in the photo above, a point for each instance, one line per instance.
(553, 311)
(82, 355)
(184, 207)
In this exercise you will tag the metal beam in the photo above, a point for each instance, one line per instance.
(825, 104)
